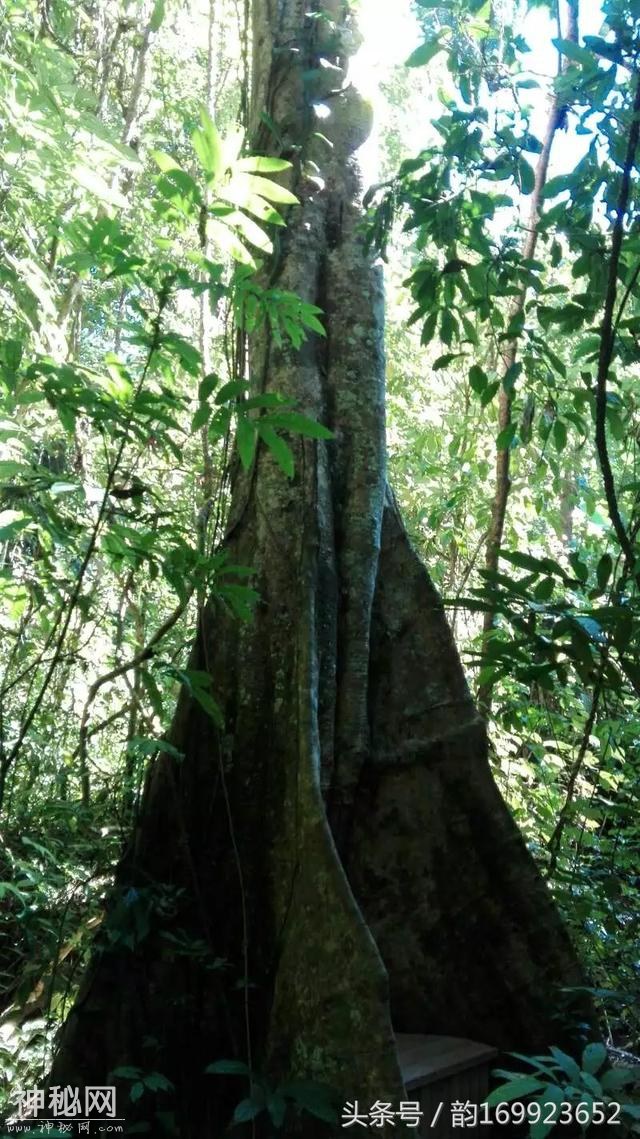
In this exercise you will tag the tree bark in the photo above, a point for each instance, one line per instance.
(340, 845)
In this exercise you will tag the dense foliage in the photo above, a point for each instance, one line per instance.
(131, 226)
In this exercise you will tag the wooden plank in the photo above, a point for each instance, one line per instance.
(426, 1059)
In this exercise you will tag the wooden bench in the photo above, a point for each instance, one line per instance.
(443, 1070)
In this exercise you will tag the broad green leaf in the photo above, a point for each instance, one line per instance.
(489, 392)
(12, 523)
(544, 589)
(250, 231)
(208, 146)
(551, 1093)
(157, 15)
(579, 568)
(246, 436)
(574, 52)
(95, 184)
(536, 565)
(153, 692)
(243, 187)
(477, 378)
(246, 1110)
(603, 573)
(425, 53)
(9, 468)
(617, 1078)
(526, 176)
(568, 1065)
(506, 437)
(207, 386)
(201, 416)
(277, 1107)
(207, 702)
(280, 450)
(231, 391)
(164, 161)
(258, 165)
(157, 1082)
(516, 1089)
(228, 1068)
(58, 488)
(560, 434)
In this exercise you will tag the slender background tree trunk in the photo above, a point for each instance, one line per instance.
(555, 120)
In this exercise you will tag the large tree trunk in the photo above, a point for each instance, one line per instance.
(341, 845)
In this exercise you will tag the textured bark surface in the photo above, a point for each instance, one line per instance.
(341, 846)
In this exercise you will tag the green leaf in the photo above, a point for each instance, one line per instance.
(280, 450)
(515, 1089)
(568, 1065)
(617, 1078)
(164, 161)
(188, 355)
(9, 468)
(9, 888)
(272, 191)
(516, 324)
(11, 354)
(12, 522)
(544, 589)
(477, 378)
(181, 190)
(255, 165)
(157, 16)
(201, 416)
(207, 386)
(228, 1068)
(551, 1093)
(277, 1107)
(448, 326)
(603, 573)
(246, 1110)
(444, 361)
(579, 568)
(560, 434)
(489, 392)
(591, 1084)
(209, 705)
(536, 565)
(511, 375)
(526, 176)
(246, 436)
(425, 53)
(95, 184)
(58, 488)
(506, 437)
(573, 52)
(231, 391)
(157, 1082)
(315, 1098)
(208, 146)
(428, 328)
